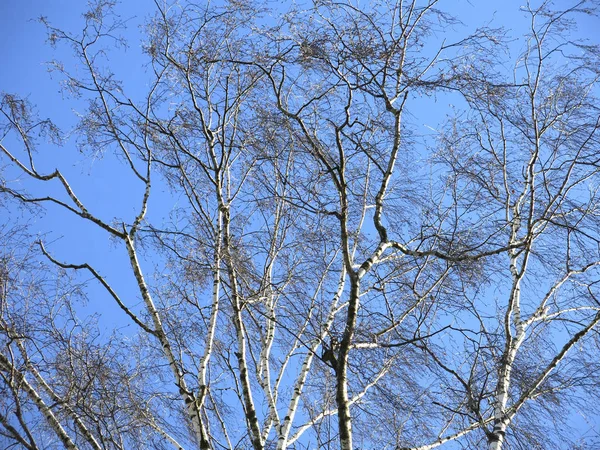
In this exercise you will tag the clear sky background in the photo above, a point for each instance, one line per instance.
(105, 184)
(102, 182)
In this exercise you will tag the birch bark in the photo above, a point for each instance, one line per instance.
(45, 410)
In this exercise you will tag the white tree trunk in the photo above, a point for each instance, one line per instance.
(39, 402)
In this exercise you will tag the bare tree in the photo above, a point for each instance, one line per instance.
(329, 277)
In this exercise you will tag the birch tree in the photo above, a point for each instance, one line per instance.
(524, 157)
(325, 276)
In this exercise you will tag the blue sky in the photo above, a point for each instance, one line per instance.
(103, 182)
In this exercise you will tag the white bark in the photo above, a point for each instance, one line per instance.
(167, 436)
(330, 412)
(212, 324)
(443, 440)
(187, 395)
(284, 431)
(238, 322)
(87, 434)
(505, 370)
(39, 402)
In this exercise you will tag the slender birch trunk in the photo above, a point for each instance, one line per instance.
(39, 402)
(83, 429)
(341, 394)
(249, 408)
(496, 438)
(188, 397)
(286, 427)
(212, 325)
